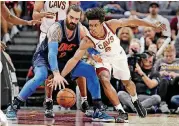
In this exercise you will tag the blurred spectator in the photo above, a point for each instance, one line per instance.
(169, 64)
(174, 24)
(148, 38)
(153, 48)
(140, 8)
(134, 46)
(169, 5)
(146, 82)
(168, 67)
(154, 17)
(125, 35)
(119, 7)
(88, 4)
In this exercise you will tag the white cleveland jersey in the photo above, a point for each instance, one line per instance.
(59, 8)
(108, 47)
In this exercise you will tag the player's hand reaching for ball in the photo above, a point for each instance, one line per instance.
(58, 80)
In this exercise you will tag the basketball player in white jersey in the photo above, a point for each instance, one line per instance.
(50, 12)
(102, 37)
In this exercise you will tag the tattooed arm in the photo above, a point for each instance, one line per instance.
(54, 37)
(13, 19)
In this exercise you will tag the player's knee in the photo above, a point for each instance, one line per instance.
(104, 78)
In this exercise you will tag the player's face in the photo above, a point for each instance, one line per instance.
(95, 27)
(73, 18)
(154, 10)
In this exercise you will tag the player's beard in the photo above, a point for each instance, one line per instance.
(70, 26)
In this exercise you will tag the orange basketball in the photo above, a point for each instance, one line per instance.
(66, 98)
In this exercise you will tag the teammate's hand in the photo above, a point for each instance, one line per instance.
(48, 15)
(2, 46)
(58, 80)
(33, 22)
(97, 58)
(160, 27)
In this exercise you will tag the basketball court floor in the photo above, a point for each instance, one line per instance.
(35, 117)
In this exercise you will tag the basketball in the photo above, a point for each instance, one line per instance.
(66, 98)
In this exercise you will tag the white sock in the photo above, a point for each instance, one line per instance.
(134, 98)
(48, 99)
(119, 107)
(83, 99)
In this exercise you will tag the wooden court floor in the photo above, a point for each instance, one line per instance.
(35, 117)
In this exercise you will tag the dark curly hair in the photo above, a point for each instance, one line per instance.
(96, 14)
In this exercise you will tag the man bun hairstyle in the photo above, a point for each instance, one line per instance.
(74, 7)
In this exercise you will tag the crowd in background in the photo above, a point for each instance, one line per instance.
(161, 48)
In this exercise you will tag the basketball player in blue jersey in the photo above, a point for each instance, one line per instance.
(62, 41)
(50, 12)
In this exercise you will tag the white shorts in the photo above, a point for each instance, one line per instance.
(119, 66)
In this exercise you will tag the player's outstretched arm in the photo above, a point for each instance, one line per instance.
(115, 23)
(37, 14)
(84, 45)
(13, 19)
(54, 36)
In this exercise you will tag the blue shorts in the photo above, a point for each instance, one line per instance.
(80, 69)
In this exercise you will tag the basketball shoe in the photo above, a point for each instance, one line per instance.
(122, 117)
(49, 109)
(12, 109)
(101, 116)
(141, 111)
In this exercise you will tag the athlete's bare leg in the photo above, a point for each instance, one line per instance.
(109, 90)
(130, 87)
